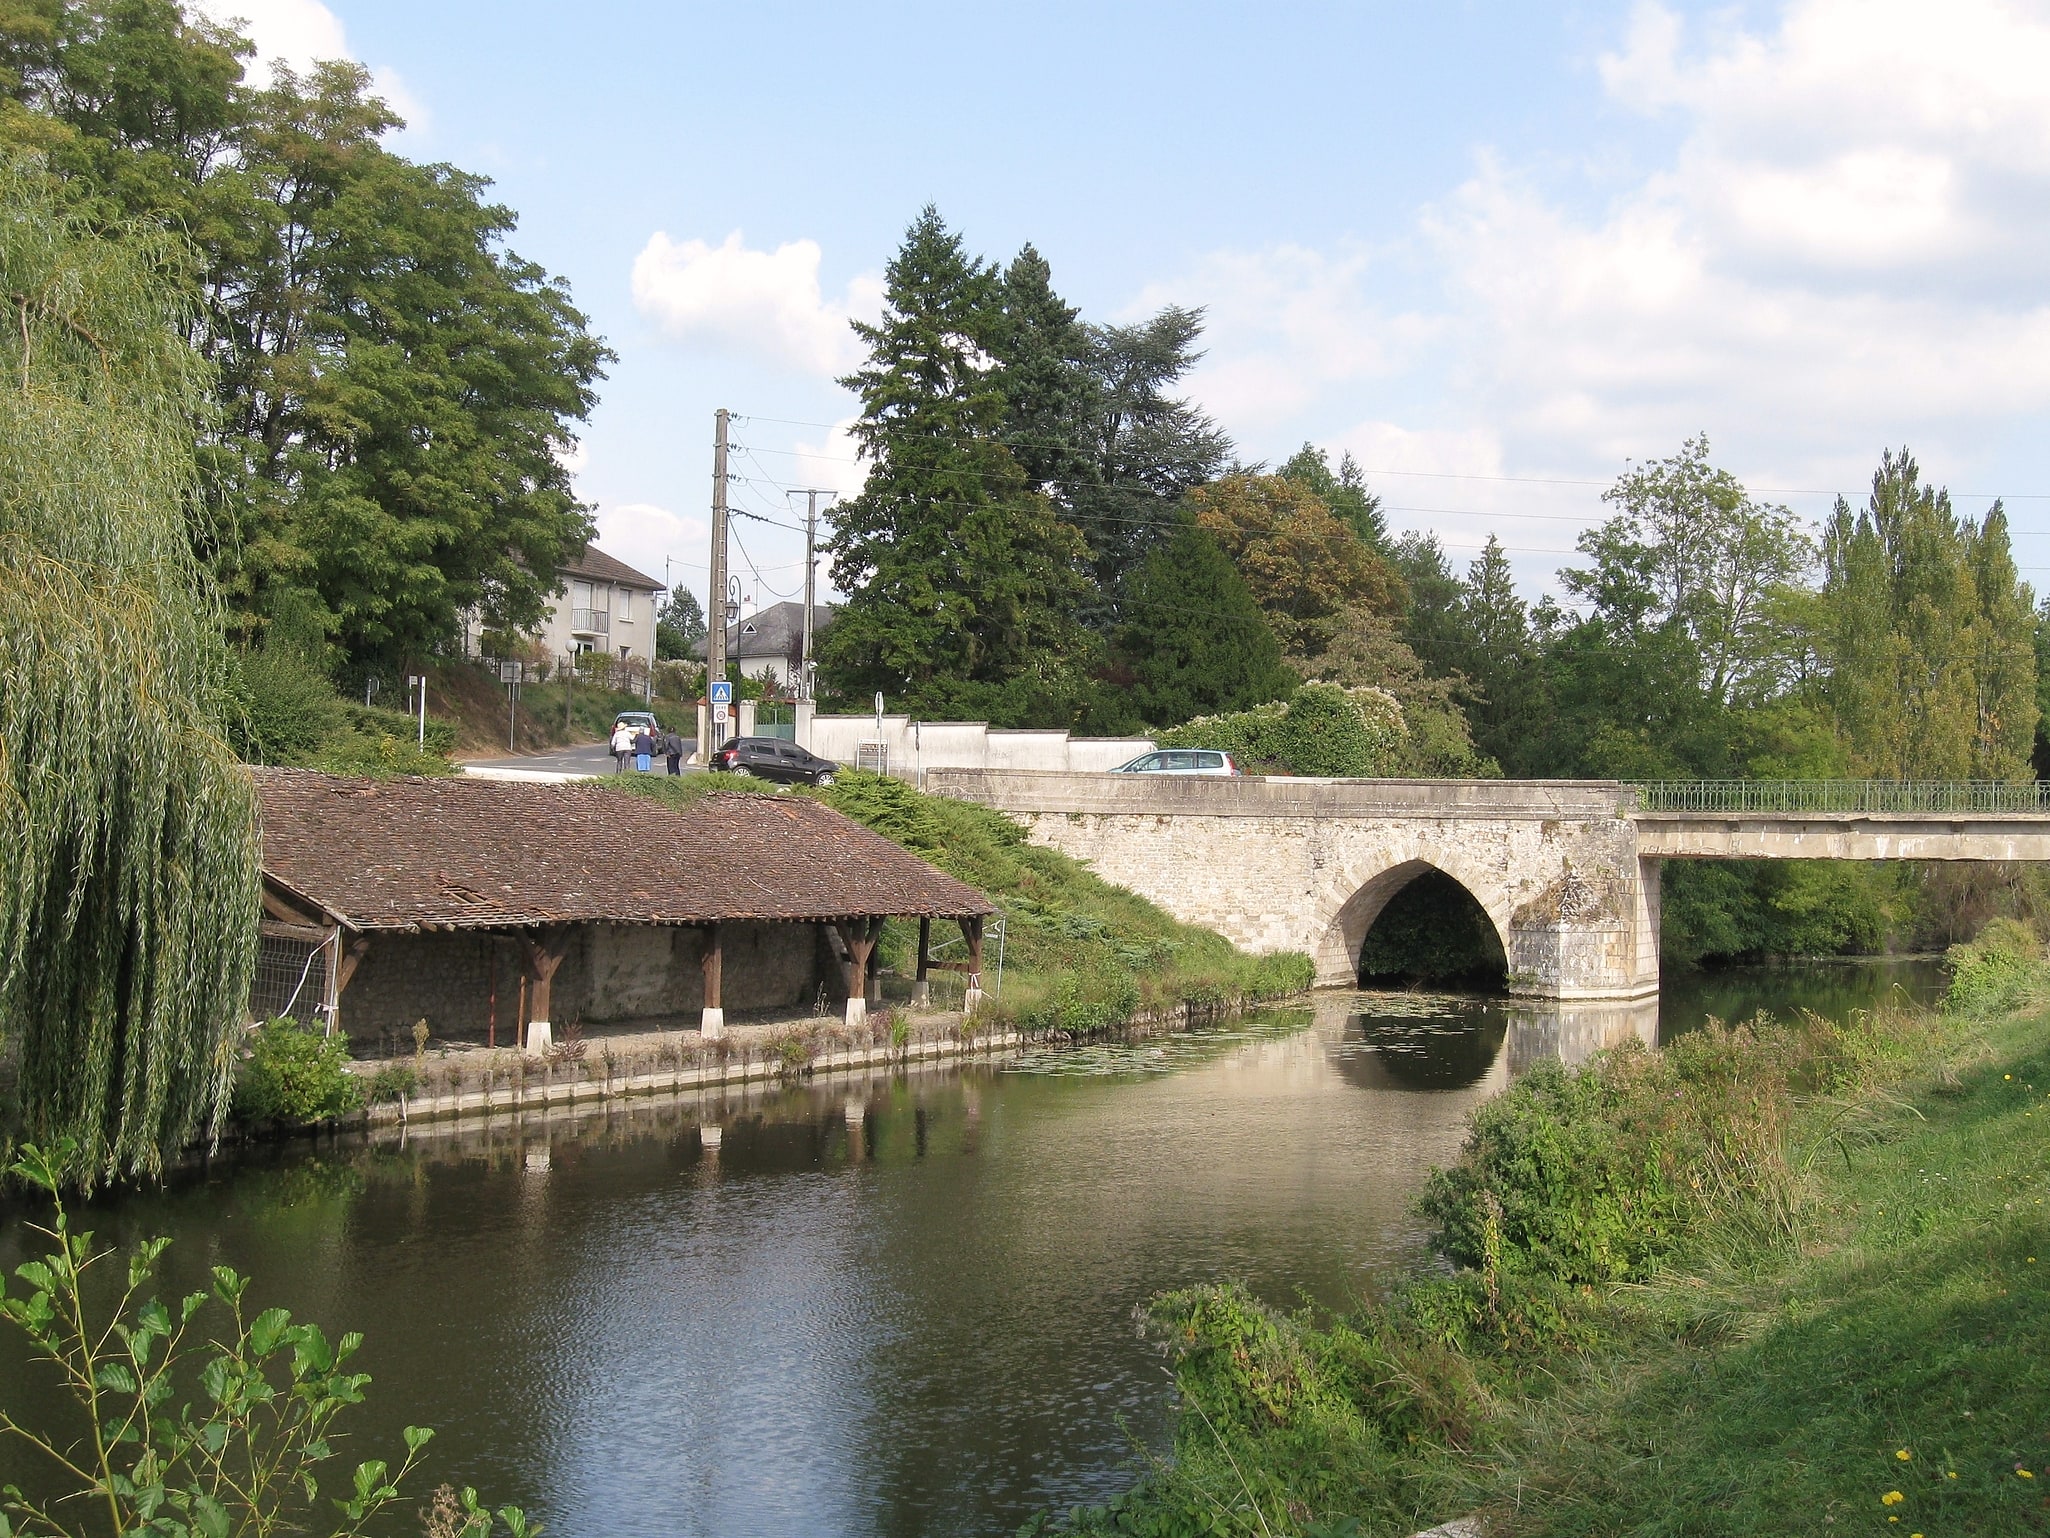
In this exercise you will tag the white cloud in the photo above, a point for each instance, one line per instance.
(644, 536)
(301, 33)
(768, 304)
(1843, 251)
(1286, 325)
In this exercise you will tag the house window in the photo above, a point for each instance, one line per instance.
(625, 652)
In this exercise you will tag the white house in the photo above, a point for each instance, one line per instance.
(606, 606)
(770, 641)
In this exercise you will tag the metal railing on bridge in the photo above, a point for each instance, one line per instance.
(1934, 796)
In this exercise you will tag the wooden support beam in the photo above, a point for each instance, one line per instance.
(921, 987)
(348, 957)
(279, 929)
(971, 931)
(544, 956)
(712, 1019)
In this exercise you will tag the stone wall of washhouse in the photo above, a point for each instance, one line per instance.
(1576, 909)
(613, 974)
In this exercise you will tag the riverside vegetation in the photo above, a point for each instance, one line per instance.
(1781, 1276)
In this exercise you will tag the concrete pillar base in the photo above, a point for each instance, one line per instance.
(709, 1138)
(921, 994)
(712, 1024)
(540, 1037)
(971, 1001)
(857, 1013)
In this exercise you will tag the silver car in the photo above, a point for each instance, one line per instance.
(1180, 761)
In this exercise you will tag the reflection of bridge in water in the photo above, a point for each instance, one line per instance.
(1567, 871)
(1435, 1042)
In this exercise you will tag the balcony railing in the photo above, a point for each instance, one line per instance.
(1935, 796)
(590, 621)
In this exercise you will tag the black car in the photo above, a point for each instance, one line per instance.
(771, 758)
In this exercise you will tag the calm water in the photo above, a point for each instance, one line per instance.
(899, 1306)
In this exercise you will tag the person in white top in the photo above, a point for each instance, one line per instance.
(622, 746)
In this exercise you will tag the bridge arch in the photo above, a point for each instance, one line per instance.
(1355, 904)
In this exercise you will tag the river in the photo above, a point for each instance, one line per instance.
(892, 1306)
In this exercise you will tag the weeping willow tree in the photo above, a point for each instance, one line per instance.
(129, 892)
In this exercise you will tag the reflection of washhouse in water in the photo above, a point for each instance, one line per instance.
(1443, 1043)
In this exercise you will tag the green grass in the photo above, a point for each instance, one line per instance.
(1914, 1315)
(1852, 1262)
(1079, 953)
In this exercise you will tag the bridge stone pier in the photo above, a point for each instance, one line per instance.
(1567, 870)
(1308, 865)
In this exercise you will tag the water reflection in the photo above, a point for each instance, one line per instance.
(897, 1305)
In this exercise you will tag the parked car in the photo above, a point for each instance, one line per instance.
(636, 719)
(771, 758)
(1180, 761)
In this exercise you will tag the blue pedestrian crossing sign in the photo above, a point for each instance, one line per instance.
(722, 692)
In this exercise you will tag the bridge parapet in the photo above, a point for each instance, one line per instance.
(1897, 796)
(1175, 795)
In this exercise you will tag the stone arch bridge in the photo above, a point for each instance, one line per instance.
(1567, 870)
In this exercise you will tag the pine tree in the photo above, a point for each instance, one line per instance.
(1344, 491)
(962, 581)
(1196, 638)
(1051, 400)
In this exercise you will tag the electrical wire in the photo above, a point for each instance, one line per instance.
(1445, 475)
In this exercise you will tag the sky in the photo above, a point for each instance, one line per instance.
(1495, 251)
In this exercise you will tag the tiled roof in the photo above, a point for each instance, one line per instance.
(466, 853)
(778, 632)
(594, 565)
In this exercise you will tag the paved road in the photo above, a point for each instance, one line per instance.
(586, 758)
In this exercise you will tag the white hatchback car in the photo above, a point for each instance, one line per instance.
(1180, 761)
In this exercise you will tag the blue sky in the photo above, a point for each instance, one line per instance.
(1495, 250)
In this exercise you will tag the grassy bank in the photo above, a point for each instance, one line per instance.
(1079, 954)
(1781, 1278)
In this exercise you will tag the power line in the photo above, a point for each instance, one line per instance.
(1440, 475)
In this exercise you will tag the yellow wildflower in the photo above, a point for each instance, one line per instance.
(2025, 1473)
(1891, 1498)
(1904, 1455)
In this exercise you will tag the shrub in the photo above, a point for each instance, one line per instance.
(283, 707)
(394, 1081)
(1322, 730)
(294, 1075)
(2002, 970)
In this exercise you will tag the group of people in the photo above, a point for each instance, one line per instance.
(641, 744)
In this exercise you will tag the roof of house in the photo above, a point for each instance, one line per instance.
(461, 853)
(778, 631)
(594, 565)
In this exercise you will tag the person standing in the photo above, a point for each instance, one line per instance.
(672, 749)
(644, 750)
(622, 745)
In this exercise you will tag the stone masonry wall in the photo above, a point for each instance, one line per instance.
(645, 974)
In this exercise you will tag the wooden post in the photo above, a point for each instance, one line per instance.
(349, 958)
(971, 931)
(875, 976)
(544, 956)
(859, 936)
(921, 988)
(712, 1022)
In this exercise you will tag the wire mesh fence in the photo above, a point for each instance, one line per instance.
(291, 979)
(1838, 796)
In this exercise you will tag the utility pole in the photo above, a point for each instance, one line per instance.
(715, 631)
(811, 529)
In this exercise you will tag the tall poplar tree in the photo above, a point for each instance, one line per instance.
(1929, 635)
(962, 582)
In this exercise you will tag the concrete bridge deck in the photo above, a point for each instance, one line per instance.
(1567, 870)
